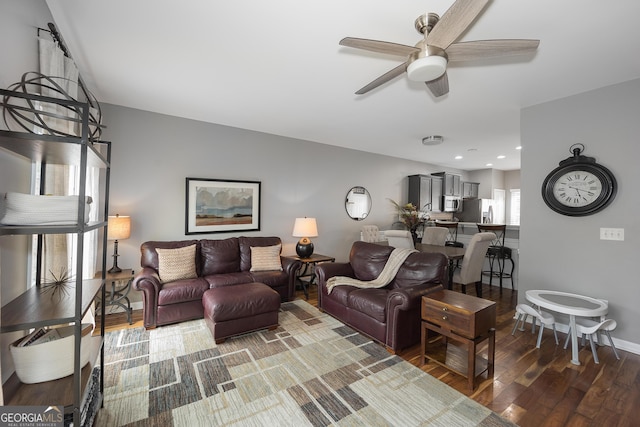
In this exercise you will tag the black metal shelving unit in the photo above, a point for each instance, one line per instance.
(33, 309)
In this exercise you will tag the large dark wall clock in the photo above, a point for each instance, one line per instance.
(579, 186)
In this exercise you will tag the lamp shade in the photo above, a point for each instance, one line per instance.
(305, 227)
(119, 227)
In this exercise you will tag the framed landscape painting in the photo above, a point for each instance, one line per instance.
(219, 206)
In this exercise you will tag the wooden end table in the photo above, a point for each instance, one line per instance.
(306, 276)
(463, 318)
(120, 287)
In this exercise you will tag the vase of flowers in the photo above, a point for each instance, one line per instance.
(412, 218)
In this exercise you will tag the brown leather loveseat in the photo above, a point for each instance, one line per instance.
(390, 315)
(209, 264)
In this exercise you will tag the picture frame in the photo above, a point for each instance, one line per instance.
(221, 206)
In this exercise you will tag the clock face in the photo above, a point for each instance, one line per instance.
(577, 188)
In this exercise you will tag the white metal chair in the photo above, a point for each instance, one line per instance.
(399, 238)
(370, 233)
(546, 319)
(435, 235)
(589, 327)
(471, 267)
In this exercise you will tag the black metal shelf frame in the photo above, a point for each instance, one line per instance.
(34, 308)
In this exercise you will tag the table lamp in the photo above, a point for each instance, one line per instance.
(305, 228)
(119, 228)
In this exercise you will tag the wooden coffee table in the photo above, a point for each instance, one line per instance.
(462, 318)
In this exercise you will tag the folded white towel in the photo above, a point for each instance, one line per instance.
(29, 209)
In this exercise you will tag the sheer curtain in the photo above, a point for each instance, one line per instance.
(59, 253)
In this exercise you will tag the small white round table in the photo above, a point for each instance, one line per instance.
(571, 304)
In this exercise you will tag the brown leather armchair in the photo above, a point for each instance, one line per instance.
(390, 315)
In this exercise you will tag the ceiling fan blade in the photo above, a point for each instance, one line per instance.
(379, 46)
(389, 75)
(439, 86)
(483, 49)
(454, 21)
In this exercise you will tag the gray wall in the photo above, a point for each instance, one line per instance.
(153, 154)
(565, 253)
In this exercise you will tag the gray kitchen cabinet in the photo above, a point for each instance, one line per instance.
(420, 191)
(436, 194)
(470, 190)
(451, 183)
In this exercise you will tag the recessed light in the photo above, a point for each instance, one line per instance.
(501, 156)
(489, 164)
(458, 157)
(519, 147)
(472, 149)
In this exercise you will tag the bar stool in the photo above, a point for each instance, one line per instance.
(498, 252)
(452, 237)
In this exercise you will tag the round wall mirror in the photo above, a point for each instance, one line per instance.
(358, 203)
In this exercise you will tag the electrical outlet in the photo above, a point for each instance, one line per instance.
(611, 233)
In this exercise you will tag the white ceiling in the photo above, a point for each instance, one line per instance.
(276, 67)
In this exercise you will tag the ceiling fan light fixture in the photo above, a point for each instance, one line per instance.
(427, 68)
(432, 140)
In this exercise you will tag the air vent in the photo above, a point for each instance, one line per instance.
(432, 140)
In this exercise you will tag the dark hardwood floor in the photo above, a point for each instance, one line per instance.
(532, 387)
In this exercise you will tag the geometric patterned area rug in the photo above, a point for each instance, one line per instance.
(310, 371)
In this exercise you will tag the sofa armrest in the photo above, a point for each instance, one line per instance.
(403, 313)
(147, 281)
(410, 297)
(327, 270)
(291, 267)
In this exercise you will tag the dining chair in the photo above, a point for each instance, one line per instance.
(370, 233)
(399, 238)
(470, 271)
(589, 328)
(546, 319)
(498, 253)
(435, 236)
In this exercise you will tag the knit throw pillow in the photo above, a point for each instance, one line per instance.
(177, 264)
(264, 258)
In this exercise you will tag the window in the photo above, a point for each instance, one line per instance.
(514, 207)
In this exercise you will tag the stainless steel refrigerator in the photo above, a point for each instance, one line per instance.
(476, 210)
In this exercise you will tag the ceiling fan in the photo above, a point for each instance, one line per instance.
(428, 60)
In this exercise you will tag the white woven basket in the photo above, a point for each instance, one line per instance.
(48, 361)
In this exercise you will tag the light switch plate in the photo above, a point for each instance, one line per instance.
(611, 233)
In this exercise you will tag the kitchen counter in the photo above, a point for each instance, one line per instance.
(470, 228)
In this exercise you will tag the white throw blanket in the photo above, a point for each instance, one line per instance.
(396, 259)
